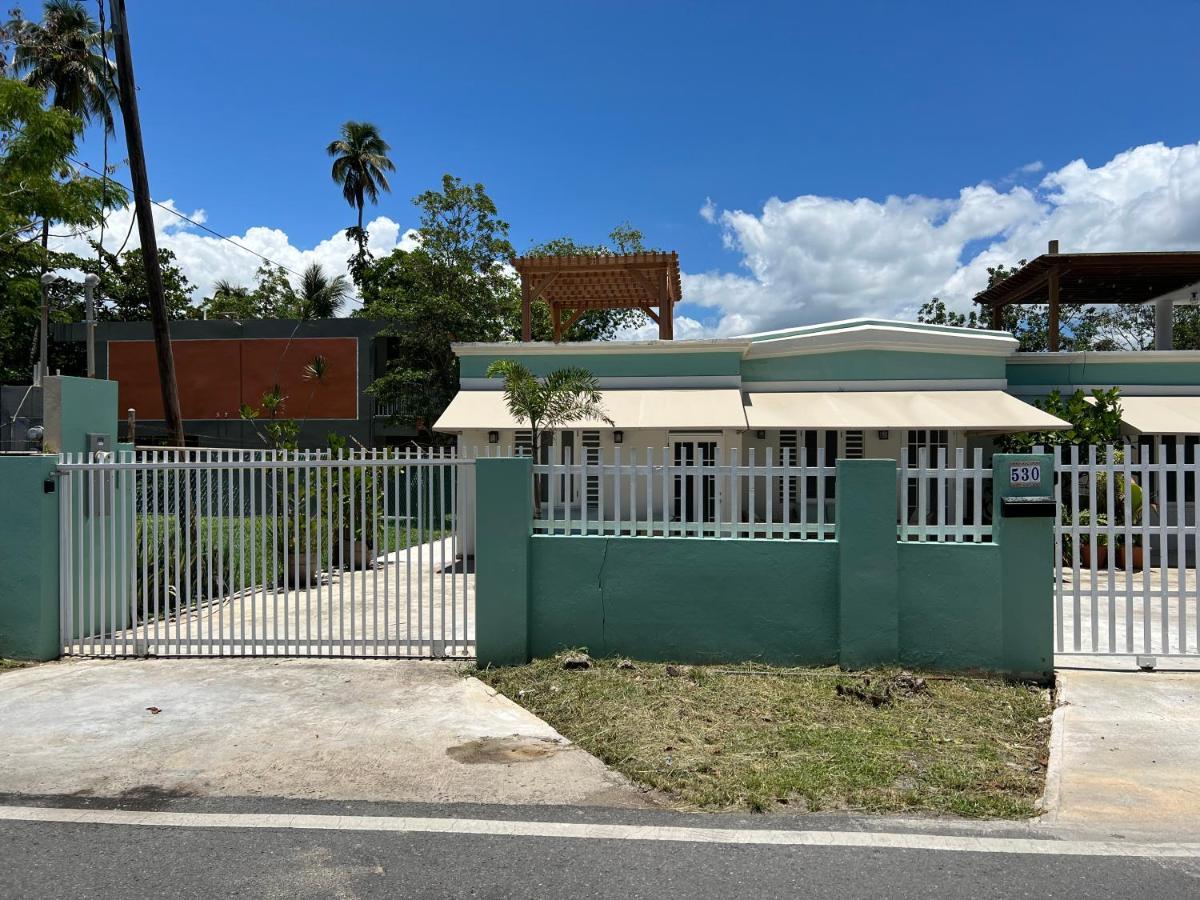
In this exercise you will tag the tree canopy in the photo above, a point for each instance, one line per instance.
(360, 167)
(317, 295)
(38, 185)
(457, 285)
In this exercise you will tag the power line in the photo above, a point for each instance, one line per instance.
(192, 221)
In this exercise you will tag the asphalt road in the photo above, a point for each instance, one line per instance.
(68, 859)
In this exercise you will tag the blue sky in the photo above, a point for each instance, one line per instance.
(579, 115)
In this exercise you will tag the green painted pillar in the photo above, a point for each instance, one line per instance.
(1026, 567)
(503, 529)
(73, 408)
(868, 562)
(29, 619)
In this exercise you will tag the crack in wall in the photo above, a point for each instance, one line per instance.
(603, 606)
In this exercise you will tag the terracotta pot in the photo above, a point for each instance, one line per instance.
(298, 574)
(357, 555)
(1085, 555)
(1136, 559)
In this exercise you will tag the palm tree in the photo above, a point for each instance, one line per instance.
(64, 57)
(360, 166)
(321, 296)
(564, 396)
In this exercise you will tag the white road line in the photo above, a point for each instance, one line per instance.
(576, 830)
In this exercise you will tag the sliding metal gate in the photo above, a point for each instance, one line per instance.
(1126, 551)
(253, 553)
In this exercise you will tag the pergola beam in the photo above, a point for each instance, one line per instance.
(649, 282)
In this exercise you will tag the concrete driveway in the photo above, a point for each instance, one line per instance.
(414, 731)
(1125, 753)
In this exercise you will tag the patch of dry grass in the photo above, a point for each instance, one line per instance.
(725, 737)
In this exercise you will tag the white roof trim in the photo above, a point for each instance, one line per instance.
(885, 337)
(566, 348)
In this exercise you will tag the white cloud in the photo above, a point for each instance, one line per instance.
(1032, 168)
(206, 259)
(814, 258)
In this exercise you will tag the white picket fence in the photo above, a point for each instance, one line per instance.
(742, 496)
(745, 496)
(1126, 551)
(945, 503)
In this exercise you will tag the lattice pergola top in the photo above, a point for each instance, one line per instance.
(603, 281)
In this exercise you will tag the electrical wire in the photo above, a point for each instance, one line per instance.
(192, 221)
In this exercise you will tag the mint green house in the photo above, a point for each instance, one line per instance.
(859, 388)
(806, 396)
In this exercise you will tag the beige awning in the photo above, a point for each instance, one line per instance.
(1161, 415)
(699, 409)
(958, 410)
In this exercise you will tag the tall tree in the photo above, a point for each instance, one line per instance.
(453, 287)
(37, 184)
(63, 57)
(360, 166)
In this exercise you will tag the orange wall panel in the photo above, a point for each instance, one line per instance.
(216, 376)
(270, 361)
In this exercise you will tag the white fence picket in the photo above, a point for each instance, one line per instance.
(1140, 559)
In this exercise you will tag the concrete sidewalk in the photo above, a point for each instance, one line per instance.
(1125, 753)
(328, 729)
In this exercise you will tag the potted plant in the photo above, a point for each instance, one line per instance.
(1127, 509)
(360, 516)
(1085, 539)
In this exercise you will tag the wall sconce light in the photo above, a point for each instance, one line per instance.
(883, 434)
(760, 435)
(618, 437)
(493, 437)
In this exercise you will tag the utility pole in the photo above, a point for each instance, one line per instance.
(127, 90)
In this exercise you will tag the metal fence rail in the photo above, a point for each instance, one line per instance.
(364, 553)
(657, 495)
(1126, 550)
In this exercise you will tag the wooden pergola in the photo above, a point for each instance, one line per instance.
(1054, 278)
(571, 285)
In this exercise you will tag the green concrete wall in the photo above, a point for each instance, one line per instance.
(861, 365)
(685, 600)
(29, 614)
(604, 365)
(868, 585)
(503, 527)
(864, 599)
(1096, 371)
(1025, 572)
(951, 606)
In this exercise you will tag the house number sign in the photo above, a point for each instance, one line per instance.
(1025, 475)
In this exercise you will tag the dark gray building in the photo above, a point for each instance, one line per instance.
(320, 371)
